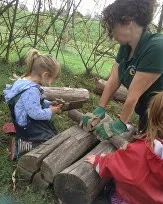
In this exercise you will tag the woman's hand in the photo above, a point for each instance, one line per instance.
(56, 108)
(90, 159)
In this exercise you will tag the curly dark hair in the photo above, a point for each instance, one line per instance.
(123, 11)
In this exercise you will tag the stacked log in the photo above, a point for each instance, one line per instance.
(79, 183)
(120, 95)
(30, 163)
(60, 161)
(44, 162)
(67, 153)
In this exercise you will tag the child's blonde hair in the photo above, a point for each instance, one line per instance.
(38, 63)
(155, 117)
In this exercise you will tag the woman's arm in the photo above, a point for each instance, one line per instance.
(111, 87)
(141, 82)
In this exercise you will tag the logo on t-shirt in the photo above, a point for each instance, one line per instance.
(132, 70)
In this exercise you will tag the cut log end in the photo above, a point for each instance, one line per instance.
(71, 189)
(29, 162)
(39, 181)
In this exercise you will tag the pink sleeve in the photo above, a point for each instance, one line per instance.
(122, 164)
(101, 165)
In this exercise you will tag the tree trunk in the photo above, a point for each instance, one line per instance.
(65, 93)
(12, 30)
(37, 23)
(120, 95)
(66, 29)
(67, 153)
(6, 7)
(33, 159)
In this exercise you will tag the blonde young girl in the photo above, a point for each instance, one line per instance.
(31, 113)
(138, 170)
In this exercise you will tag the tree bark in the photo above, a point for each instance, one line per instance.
(120, 95)
(37, 23)
(65, 93)
(12, 30)
(6, 7)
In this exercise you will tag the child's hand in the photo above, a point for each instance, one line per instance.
(57, 101)
(56, 108)
(90, 159)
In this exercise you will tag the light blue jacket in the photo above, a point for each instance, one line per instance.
(29, 101)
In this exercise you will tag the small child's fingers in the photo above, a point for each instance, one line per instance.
(54, 103)
(86, 159)
(90, 159)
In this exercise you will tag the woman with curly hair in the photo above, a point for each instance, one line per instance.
(138, 66)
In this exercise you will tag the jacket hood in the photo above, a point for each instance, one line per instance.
(19, 86)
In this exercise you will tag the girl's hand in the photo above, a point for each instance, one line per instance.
(90, 159)
(56, 108)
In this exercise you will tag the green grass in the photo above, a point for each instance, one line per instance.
(71, 60)
(86, 32)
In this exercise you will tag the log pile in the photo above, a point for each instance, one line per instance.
(120, 95)
(60, 162)
(56, 154)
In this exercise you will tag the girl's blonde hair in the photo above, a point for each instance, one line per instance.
(155, 117)
(38, 63)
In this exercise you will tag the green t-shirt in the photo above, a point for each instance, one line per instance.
(148, 57)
